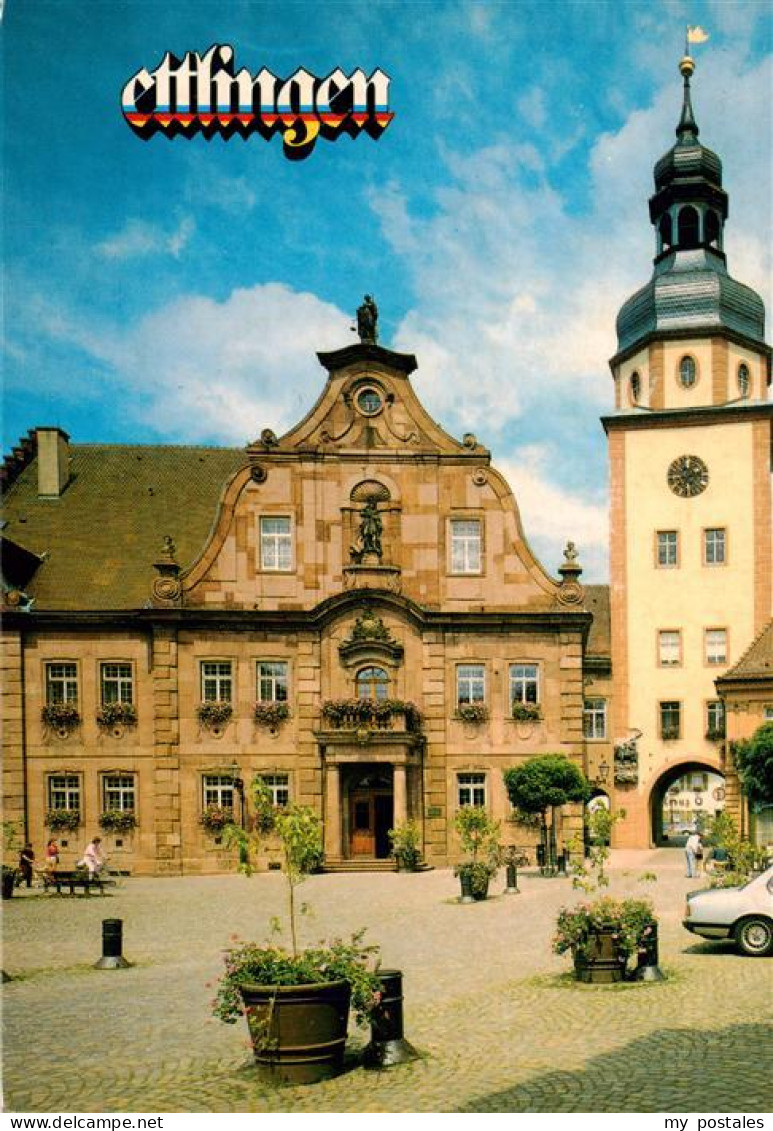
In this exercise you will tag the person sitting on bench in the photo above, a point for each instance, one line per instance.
(92, 858)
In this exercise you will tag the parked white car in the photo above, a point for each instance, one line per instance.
(744, 914)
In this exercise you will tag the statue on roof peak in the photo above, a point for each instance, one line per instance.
(367, 320)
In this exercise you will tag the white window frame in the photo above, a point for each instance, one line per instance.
(472, 789)
(673, 708)
(122, 681)
(524, 681)
(669, 647)
(272, 683)
(473, 678)
(215, 682)
(715, 646)
(594, 719)
(276, 545)
(466, 546)
(668, 542)
(61, 682)
(715, 715)
(119, 793)
(218, 789)
(278, 785)
(68, 792)
(715, 546)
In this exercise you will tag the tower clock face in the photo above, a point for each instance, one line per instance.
(688, 476)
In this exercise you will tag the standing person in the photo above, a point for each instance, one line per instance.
(52, 855)
(26, 863)
(92, 857)
(693, 851)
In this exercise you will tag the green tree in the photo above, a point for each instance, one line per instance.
(754, 761)
(546, 782)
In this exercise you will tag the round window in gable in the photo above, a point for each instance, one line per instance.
(369, 401)
(744, 380)
(688, 372)
(635, 387)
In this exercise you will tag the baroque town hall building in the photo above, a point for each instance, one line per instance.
(353, 612)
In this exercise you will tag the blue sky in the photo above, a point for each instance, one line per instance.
(177, 291)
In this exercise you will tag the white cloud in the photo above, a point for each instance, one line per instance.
(138, 238)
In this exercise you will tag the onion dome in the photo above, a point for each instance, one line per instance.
(690, 289)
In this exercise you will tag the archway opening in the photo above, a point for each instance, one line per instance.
(684, 798)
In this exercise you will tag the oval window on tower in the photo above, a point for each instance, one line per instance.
(744, 379)
(688, 372)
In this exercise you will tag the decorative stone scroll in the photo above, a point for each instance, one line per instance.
(627, 761)
(571, 591)
(166, 588)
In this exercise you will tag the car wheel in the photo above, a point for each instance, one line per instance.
(755, 937)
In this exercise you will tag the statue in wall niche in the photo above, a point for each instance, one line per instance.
(367, 319)
(369, 536)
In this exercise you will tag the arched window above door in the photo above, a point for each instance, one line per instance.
(372, 683)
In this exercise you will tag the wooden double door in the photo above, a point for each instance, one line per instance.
(371, 816)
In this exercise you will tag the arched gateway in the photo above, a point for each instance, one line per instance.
(683, 794)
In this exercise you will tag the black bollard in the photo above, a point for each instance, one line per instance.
(112, 946)
(512, 879)
(647, 969)
(387, 1045)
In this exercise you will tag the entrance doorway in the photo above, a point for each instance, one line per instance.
(370, 812)
(686, 797)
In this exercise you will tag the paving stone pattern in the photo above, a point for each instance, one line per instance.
(501, 1025)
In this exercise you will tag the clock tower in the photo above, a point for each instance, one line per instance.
(690, 460)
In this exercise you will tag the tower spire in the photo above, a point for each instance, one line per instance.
(687, 130)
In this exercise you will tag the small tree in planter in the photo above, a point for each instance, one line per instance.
(406, 845)
(295, 997)
(604, 934)
(479, 834)
(543, 783)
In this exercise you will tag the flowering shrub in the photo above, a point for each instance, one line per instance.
(118, 820)
(270, 714)
(117, 714)
(405, 839)
(61, 716)
(67, 819)
(215, 818)
(214, 714)
(526, 712)
(473, 712)
(370, 712)
(629, 920)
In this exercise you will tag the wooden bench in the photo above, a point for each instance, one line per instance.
(79, 879)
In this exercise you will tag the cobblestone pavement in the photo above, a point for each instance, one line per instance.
(501, 1025)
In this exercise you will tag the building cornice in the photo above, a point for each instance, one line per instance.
(679, 417)
(690, 335)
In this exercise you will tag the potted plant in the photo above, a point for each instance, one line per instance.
(378, 713)
(604, 934)
(546, 782)
(117, 714)
(406, 841)
(215, 714)
(61, 717)
(215, 818)
(11, 847)
(472, 712)
(526, 712)
(118, 820)
(63, 820)
(296, 1000)
(479, 835)
(270, 714)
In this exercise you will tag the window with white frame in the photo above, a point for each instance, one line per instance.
(216, 681)
(278, 785)
(61, 683)
(471, 789)
(272, 681)
(119, 793)
(670, 719)
(714, 546)
(715, 719)
(117, 683)
(669, 648)
(466, 545)
(218, 791)
(594, 719)
(524, 683)
(470, 684)
(276, 543)
(716, 645)
(667, 549)
(64, 792)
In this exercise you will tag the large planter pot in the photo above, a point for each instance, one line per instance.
(600, 961)
(9, 879)
(298, 1032)
(404, 865)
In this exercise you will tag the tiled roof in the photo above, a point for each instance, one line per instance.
(102, 535)
(597, 602)
(757, 660)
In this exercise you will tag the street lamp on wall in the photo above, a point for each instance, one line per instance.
(603, 772)
(238, 784)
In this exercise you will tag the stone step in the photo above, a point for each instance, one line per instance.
(344, 864)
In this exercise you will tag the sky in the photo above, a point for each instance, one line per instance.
(177, 291)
